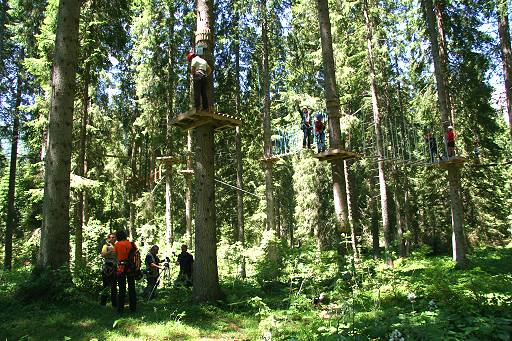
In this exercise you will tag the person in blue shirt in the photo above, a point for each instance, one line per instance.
(153, 268)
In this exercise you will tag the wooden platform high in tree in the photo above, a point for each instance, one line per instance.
(169, 160)
(193, 119)
(335, 154)
(270, 159)
(446, 163)
(187, 171)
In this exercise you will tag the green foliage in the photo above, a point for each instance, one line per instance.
(46, 285)
(269, 263)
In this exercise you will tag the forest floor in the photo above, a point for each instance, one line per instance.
(421, 298)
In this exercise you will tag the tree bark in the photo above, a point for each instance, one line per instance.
(82, 145)
(169, 228)
(188, 192)
(352, 223)
(458, 240)
(206, 278)
(267, 133)
(333, 111)
(443, 56)
(378, 133)
(55, 230)
(10, 224)
(504, 33)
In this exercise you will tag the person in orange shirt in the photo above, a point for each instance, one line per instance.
(124, 274)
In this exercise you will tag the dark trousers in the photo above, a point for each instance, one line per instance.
(200, 86)
(151, 287)
(320, 141)
(307, 137)
(122, 279)
(109, 282)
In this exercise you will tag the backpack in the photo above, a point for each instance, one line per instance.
(133, 262)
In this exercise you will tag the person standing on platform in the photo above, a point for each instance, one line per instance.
(320, 133)
(450, 138)
(200, 71)
(430, 141)
(306, 124)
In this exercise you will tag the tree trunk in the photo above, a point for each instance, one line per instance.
(406, 213)
(333, 111)
(353, 232)
(10, 224)
(238, 150)
(378, 133)
(55, 230)
(374, 222)
(504, 32)
(133, 186)
(399, 214)
(459, 253)
(82, 145)
(169, 229)
(443, 56)
(188, 192)
(240, 199)
(206, 278)
(267, 142)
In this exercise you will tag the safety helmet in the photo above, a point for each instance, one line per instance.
(190, 55)
(450, 127)
(319, 116)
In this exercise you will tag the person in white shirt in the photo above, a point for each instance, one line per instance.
(200, 70)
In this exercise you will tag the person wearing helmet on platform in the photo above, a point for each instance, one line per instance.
(320, 133)
(450, 138)
(200, 70)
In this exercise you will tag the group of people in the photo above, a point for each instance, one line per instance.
(307, 125)
(431, 143)
(116, 274)
(200, 71)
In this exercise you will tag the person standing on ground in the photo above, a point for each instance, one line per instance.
(124, 274)
(200, 70)
(185, 261)
(108, 271)
(153, 268)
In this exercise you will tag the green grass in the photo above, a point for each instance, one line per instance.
(170, 317)
(422, 298)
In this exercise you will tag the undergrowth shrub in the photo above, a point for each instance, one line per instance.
(269, 264)
(47, 286)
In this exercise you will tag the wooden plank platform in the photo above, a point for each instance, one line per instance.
(446, 163)
(193, 119)
(270, 159)
(169, 160)
(333, 154)
(187, 171)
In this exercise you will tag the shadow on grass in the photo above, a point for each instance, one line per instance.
(171, 316)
